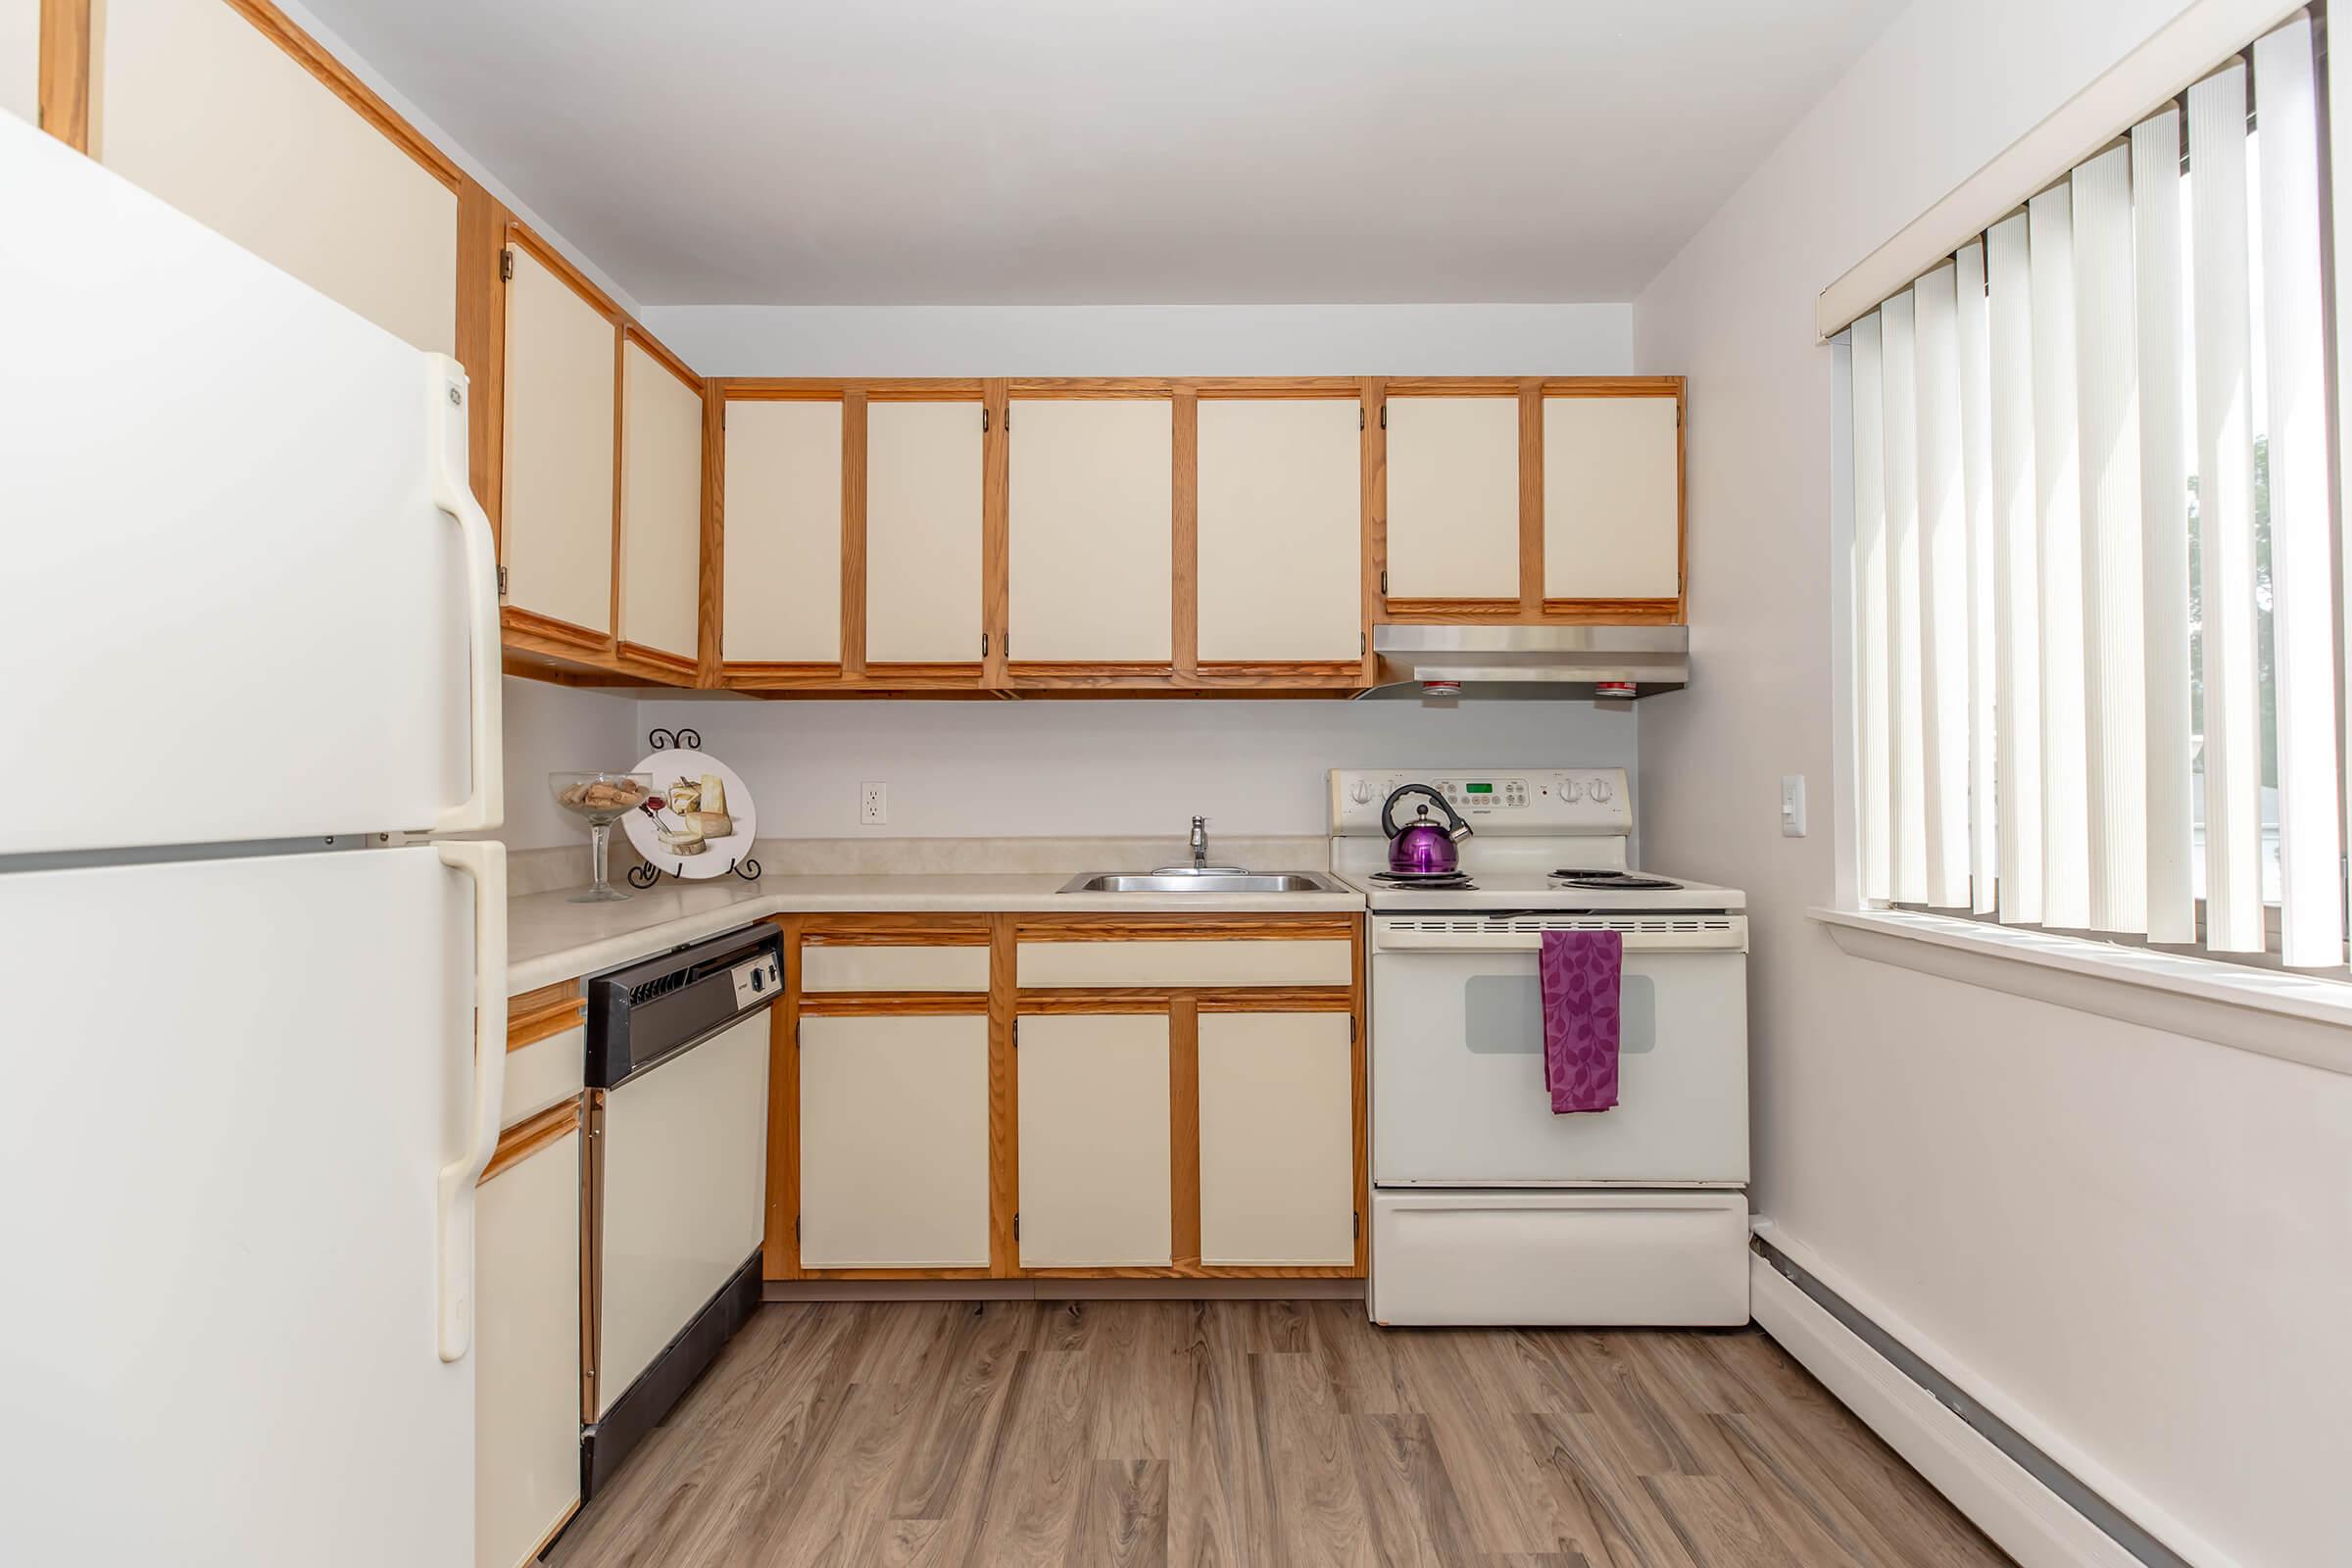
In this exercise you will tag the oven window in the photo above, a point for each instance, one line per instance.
(1504, 1014)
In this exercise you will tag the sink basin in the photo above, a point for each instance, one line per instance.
(1204, 882)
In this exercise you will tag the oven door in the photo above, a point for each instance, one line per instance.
(1457, 1056)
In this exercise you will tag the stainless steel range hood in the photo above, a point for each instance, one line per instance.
(1559, 662)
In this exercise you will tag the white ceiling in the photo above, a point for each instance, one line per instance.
(1098, 152)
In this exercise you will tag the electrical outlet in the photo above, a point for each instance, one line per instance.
(873, 805)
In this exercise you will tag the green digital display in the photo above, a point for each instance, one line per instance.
(1478, 789)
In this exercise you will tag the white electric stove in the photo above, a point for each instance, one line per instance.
(1487, 1208)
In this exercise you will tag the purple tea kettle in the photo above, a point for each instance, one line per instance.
(1421, 847)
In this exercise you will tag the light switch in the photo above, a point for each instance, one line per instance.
(1792, 806)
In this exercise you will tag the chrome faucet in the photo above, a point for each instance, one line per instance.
(1200, 844)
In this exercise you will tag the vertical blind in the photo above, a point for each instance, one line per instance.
(2096, 554)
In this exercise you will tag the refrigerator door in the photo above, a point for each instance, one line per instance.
(256, 596)
(238, 1091)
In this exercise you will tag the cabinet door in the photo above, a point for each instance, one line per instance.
(20, 59)
(922, 533)
(894, 1142)
(557, 527)
(1454, 498)
(782, 517)
(1091, 481)
(526, 1407)
(196, 104)
(660, 504)
(1277, 1139)
(1612, 498)
(1096, 1184)
(1280, 524)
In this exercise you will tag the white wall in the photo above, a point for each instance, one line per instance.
(553, 729)
(1082, 768)
(1149, 339)
(2143, 1242)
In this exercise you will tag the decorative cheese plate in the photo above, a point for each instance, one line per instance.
(700, 821)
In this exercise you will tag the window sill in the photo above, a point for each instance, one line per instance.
(2265, 1012)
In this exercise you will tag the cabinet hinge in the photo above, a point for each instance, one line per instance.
(1351, 1029)
(984, 645)
(1009, 418)
(984, 420)
(1383, 579)
(1384, 416)
(1016, 1225)
(1359, 417)
(502, 582)
(1359, 1222)
(506, 266)
(1362, 647)
(796, 1230)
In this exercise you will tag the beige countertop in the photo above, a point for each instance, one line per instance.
(550, 938)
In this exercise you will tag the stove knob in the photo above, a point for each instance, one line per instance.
(1571, 790)
(1599, 790)
(1360, 792)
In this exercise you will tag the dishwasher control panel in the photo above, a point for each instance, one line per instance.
(760, 979)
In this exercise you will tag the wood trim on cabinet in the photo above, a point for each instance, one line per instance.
(1114, 927)
(711, 582)
(528, 1021)
(662, 353)
(655, 664)
(744, 676)
(1276, 386)
(524, 1138)
(923, 929)
(1184, 533)
(1372, 476)
(996, 536)
(1454, 386)
(620, 487)
(481, 344)
(1004, 1105)
(890, 1003)
(555, 260)
(881, 389)
(852, 535)
(532, 632)
(1648, 611)
(64, 68)
(1530, 500)
(781, 1250)
(1096, 386)
(1445, 611)
(1184, 1131)
(1612, 387)
(1333, 672)
(1049, 1001)
(337, 78)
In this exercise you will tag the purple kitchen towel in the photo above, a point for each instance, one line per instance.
(1581, 970)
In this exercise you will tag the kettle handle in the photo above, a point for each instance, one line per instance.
(1456, 829)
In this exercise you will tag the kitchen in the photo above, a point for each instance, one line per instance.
(1105, 738)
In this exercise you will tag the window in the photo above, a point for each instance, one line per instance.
(2096, 578)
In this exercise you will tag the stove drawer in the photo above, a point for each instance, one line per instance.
(1591, 1259)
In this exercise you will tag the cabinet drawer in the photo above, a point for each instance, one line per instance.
(876, 969)
(1249, 962)
(546, 1072)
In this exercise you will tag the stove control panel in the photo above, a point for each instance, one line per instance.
(1554, 801)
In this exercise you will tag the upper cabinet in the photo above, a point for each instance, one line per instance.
(1280, 530)
(20, 59)
(1454, 497)
(782, 519)
(1613, 497)
(1092, 493)
(923, 490)
(561, 364)
(235, 126)
(660, 504)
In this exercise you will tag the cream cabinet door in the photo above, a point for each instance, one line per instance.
(894, 1142)
(1612, 498)
(1454, 498)
(1277, 1139)
(660, 504)
(526, 1391)
(557, 528)
(922, 532)
(20, 59)
(1094, 1135)
(1280, 529)
(782, 540)
(196, 104)
(1091, 487)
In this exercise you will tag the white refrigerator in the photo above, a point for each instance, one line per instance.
(253, 1040)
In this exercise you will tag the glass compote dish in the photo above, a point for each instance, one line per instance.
(603, 799)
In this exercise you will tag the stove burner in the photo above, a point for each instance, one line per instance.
(1575, 878)
(1443, 881)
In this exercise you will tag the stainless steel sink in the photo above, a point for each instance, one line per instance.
(1204, 882)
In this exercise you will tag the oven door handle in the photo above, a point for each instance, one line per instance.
(1713, 933)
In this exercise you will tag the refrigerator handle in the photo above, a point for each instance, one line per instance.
(485, 862)
(485, 807)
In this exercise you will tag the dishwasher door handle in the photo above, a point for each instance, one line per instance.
(484, 863)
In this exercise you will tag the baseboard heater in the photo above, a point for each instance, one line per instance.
(2096, 1512)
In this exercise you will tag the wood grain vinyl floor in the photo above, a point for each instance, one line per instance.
(1275, 1435)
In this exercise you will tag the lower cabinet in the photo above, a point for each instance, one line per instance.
(1277, 1139)
(894, 1141)
(526, 1420)
(1095, 1181)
